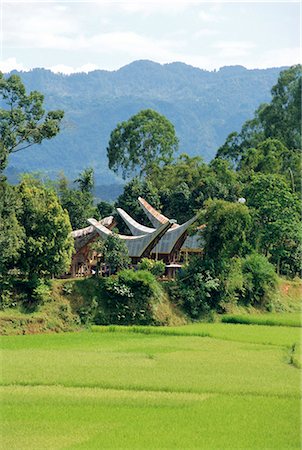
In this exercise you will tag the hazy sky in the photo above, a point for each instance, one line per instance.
(70, 36)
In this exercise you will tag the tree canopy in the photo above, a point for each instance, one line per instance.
(276, 221)
(48, 244)
(23, 120)
(146, 140)
(280, 119)
(78, 202)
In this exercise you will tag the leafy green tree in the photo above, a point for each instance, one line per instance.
(226, 235)
(77, 202)
(157, 268)
(105, 209)
(271, 156)
(280, 119)
(178, 204)
(115, 253)
(248, 281)
(259, 280)
(86, 180)
(11, 232)
(146, 140)
(276, 222)
(23, 121)
(184, 169)
(48, 244)
(188, 182)
(218, 181)
(197, 290)
(130, 297)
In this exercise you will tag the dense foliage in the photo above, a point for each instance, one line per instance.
(78, 201)
(130, 297)
(114, 253)
(157, 268)
(146, 140)
(35, 240)
(47, 243)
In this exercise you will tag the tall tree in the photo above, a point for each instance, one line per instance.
(11, 231)
(78, 202)
(146, 140)
(276, 222)
(226, 235)
(48, 244)
(23, 120)
(280, 119)
(272, 156)
(115, 253)
(86, 180)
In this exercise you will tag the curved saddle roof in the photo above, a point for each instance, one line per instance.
(83, 236)
(155, 217)
(172, 240)
(138, 246)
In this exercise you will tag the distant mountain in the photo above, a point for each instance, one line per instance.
(203, 106)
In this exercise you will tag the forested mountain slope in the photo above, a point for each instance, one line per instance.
(203, 106)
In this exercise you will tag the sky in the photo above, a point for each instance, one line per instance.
(80, 36)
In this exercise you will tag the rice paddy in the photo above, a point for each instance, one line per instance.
(208, 386)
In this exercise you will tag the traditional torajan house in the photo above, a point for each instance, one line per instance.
(83, 259)
(167, 241)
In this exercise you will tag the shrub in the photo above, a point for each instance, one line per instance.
(41, 291)
(157, 268)
(129, 297)
(259, 280)
(198, 289)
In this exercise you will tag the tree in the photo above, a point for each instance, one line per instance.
(86, 180)
(280, 119)
(276, 222)
(105, 209)
(48, 244)
(178, 204)
(11, 232)
(77, 202)
(218, 181)
(188, 182)
(23, 121)
(146, 140)
(259, 280)
(272, 156)
(115, 253)
(226, 235)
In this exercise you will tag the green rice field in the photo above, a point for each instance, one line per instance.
(202, 386)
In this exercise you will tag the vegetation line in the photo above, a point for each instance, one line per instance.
(145, 330)
(247, 320)
(168, 332)
(149, 390)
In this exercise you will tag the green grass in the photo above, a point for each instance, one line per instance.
(227, 332)
(270, 319)
(209, 386)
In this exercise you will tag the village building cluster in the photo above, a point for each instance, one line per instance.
(166, 241)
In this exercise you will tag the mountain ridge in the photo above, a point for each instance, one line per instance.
(204, 106)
